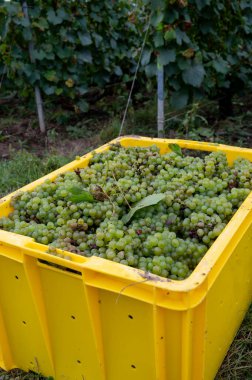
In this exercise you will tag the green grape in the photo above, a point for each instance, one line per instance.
(168, 239)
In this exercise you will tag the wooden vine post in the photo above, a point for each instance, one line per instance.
(160, 100)
(38, 97)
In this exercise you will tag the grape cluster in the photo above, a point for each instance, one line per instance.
(167, 239)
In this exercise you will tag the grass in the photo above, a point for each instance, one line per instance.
(197, 122)
(24, 167)
(238, 362)
(18, 374)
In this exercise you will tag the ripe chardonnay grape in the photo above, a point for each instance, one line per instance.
(83, 211)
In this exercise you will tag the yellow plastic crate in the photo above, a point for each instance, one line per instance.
(93, 319)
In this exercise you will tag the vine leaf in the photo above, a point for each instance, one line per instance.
(79, 195)
(150, 200)
(194, 75)
(176, 149)
(166, 56)
(179, 99)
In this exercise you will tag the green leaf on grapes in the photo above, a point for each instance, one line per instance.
(176, 149)
(79, 195)
(150, 200)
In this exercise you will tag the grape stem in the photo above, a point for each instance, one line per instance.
(122, 193)
(127, 286)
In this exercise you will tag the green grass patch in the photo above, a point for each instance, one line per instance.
(24, 167)
(18, 374)
(238, 361)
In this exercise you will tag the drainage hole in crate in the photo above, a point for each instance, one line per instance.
(130, 316)
(24, 322)
(161, 337)
(133, 366)
(73, 317)
(78, 361)
(16, 277)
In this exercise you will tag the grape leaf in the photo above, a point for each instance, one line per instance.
(83, 105)
(85, 39)
(79, 195)
(85, 55)
(166, 56)
(179, 99)
(53, 18)
(176, 149)
(170, 35)
(194, 75)
(146, 57)
(150, 200)
(221, 66)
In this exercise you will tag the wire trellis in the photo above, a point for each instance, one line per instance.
(135, 76)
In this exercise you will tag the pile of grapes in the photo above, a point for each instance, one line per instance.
(158, 213)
